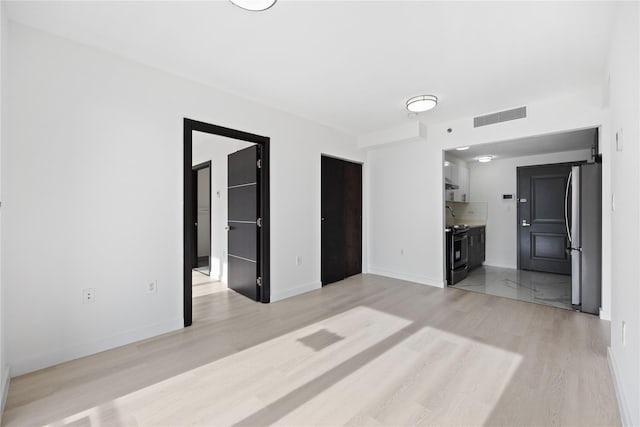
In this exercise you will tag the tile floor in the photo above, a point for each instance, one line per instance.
(531, 286)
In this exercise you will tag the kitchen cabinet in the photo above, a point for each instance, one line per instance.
(457, 175)
(477, 245)
(462, 193)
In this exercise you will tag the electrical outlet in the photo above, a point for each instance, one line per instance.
(88, 295)
(401, 251)
(298, 260)
(624, 333)
(152, 287)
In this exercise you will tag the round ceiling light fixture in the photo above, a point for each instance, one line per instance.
(254, 5)
(462, 148)
(421, 103)
(485, 159)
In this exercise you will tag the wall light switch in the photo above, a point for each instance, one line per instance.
(613, 202)
(619, 146)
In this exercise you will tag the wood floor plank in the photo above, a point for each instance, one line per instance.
(366, 351)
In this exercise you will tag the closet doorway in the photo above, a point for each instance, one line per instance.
(341, 219)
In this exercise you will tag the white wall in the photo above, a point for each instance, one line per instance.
(624, 75)
(92, 176)
(488, 182)
(402, 245)
(4, 45)
(215, 148)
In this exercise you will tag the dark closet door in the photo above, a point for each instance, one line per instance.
(353, 218)
(243, 211)
(341, 219)
(332, 245)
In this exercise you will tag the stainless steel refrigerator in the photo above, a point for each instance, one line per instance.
(583, 216)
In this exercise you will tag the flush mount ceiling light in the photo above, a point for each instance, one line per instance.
(254, 5)
(421, 103)
(485, 159)
(462, 148)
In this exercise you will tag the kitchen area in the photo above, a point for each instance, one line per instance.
(465, 223)
(501, 241)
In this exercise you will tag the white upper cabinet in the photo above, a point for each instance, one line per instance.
(462, 193)
(456, 175)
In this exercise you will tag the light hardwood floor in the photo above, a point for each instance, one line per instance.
(368, 350)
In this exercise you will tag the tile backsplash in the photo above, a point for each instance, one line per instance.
(470, 213)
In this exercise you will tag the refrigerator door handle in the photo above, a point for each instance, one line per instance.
(566, 207)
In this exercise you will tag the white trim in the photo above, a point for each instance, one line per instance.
(423, 280)
(605, 314)
(511, 267)
(291, 292)
(70, 352)
(6, 380)
(625, 411)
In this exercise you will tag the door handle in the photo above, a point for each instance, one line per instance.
(525, 223)
(227, 228)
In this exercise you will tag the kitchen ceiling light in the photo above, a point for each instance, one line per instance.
(254, 5)
(485, 159)
(421, 103)
(462, 148)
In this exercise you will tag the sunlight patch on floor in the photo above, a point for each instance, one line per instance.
(226, 391)
(206, 285)
(425, 371)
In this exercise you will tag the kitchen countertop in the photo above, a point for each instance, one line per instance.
(471, 224)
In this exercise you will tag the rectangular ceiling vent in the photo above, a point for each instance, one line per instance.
(502, 116)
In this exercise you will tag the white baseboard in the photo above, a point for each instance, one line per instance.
(512, 267)
(423, 280)
(6, 380)
(605, 315)
(625, 411)
(71, 352)
(291, 292)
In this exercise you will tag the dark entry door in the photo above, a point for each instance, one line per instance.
(341, 219)
(243, 222)
(542, 232)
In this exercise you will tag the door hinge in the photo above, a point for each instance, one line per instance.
(259, 163)
(259, 222)
(259, 281)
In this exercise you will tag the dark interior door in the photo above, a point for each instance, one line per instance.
(542, 232)
(332, 247)
(202, 224)
(341, 219)
(194, 223)
(353, 218)
(243, 226)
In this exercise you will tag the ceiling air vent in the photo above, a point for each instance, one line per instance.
(502, 116)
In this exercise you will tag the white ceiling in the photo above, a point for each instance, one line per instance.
(544, 144)
(352, 64)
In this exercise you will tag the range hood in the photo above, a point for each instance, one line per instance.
(448, 185)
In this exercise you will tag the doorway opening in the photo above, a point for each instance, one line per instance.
(226, 214)
(515, 224)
